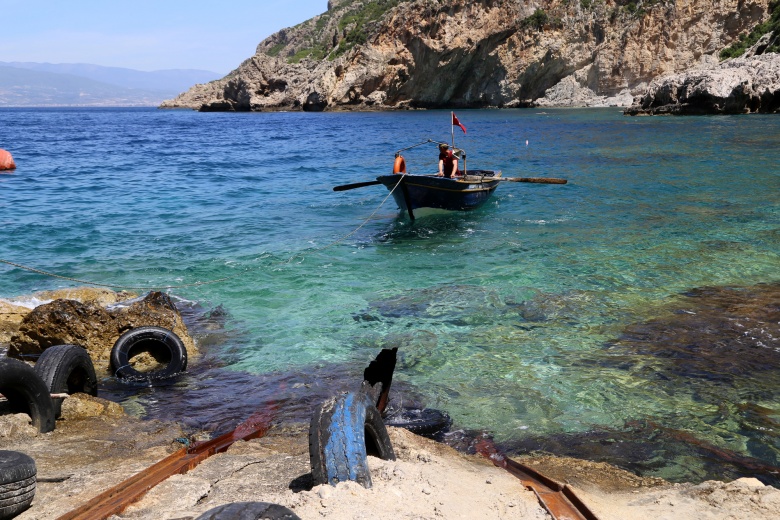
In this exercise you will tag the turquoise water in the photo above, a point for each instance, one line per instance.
(505, 317)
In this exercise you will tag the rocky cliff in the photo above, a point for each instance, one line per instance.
(737, 86)
(390, 54)
(748, 83)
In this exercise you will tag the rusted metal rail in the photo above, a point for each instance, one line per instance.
(558, 499)
(115, 500)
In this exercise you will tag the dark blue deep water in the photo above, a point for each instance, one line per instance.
(630, 315)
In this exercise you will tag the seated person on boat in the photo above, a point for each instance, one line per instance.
(448, 162)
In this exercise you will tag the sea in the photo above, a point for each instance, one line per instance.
(630, 316)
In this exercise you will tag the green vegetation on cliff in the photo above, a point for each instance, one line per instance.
(353, 25)
(747, 40)
(346, 24)
(537, 20)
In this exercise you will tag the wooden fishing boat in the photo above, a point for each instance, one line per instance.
(468, 189)
(462, 193)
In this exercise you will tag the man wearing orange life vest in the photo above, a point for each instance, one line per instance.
(448, 162)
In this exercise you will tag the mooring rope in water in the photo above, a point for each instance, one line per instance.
(316, 250)
(207, 282)
(113, 286)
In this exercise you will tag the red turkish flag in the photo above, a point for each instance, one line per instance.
(456, 122)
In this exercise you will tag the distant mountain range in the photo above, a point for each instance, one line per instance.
(28, 84)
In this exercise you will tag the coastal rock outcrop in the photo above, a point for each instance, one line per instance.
(11, 317)
(395, 54)
(12, 313)
(81, 406)
(93, 326)
(737, 86)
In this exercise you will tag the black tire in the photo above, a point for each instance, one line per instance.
(162, 344)
(249, 511)
(17, 483)
(342, 432)
(27, 393)
(67, 369)
(426, 422)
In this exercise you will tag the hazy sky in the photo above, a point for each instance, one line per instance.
(145, 34)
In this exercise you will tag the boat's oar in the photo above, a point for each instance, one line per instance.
(541, 180)
(354, 185)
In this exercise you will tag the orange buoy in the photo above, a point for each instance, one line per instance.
(400, 165)
(6, 161)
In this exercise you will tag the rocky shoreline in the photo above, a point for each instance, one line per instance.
(89, 317)
(95, 445)
(742, 85)
(399, 55)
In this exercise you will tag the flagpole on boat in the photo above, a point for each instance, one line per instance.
(452, 130)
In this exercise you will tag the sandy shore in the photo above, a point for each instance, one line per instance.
(84, 456)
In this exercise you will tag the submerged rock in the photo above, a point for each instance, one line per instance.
(458, 304)
(717, 334)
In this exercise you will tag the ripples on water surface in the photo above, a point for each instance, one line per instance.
(615, 317)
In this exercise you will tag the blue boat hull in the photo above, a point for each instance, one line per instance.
(413, 192)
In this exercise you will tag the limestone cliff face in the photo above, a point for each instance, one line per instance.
(387, 54)
(738, 86)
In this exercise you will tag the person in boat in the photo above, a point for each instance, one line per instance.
(448, 162)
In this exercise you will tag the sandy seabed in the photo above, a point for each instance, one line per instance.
(84, 456)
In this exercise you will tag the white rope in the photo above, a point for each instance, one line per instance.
(354, 230)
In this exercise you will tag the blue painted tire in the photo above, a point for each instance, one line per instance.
(343, 431)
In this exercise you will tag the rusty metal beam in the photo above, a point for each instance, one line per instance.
(113, 501)
(557, 499)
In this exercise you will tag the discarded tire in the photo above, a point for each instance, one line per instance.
(66, 369)
(426, 422)
(343, 431)
(27, 393)
(162, 344)
(17, 483)
(249, 511)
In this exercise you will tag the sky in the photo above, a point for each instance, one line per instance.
(145, 34)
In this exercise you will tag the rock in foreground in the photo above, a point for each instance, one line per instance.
(94, 327)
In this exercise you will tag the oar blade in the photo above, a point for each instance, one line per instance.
(345, 187)
(539, 180)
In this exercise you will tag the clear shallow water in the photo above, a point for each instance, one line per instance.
(506, 317)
